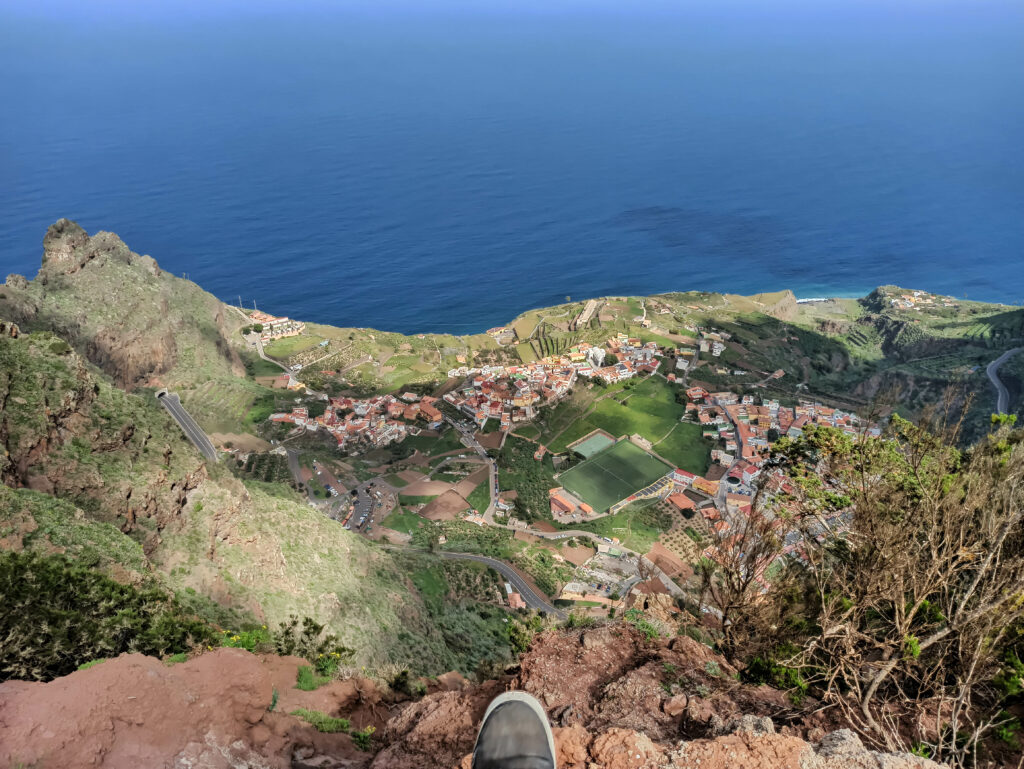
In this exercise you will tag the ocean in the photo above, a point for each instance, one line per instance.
(445, 166)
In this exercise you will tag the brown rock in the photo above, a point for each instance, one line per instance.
(452, 681)
(571, 746)
(626, 749)
(676, 705)
(136, 711)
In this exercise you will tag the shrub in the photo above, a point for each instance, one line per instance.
(256, 639)
(712, 669)
(323, 722)
(1007, 730)
(91, 664)
(764, 670)
(363, 738)
(636, 618)
(404, 682)
(310, 642)
(578, 619)
(175, 659)
(307, 680)
(57, 614)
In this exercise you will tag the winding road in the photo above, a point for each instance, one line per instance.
(1002, 394)
(532, 598)
(188, 425)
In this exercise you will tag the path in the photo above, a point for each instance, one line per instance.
(188, 425)
(1002, 394)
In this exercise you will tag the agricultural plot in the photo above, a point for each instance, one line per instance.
(272, 468)
(613, 475)
(291, 345)
(223, 405)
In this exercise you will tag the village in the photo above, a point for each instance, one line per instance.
(616, 471)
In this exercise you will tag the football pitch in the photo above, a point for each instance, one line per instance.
(613, 474)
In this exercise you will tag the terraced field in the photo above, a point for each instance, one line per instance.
(222, 405)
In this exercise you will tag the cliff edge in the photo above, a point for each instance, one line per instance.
(614, 698)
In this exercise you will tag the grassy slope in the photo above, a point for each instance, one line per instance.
(256, 546)
(637, 527)
(32, 520)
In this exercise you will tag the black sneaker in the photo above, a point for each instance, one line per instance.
(514, 735)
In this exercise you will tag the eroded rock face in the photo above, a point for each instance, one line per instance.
(119, 310)
(136, 711)
(616, 701)
(213, 712)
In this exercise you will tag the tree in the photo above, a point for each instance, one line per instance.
(257, 327)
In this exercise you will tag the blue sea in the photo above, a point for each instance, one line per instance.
(443, 166)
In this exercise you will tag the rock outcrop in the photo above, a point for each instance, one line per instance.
(121, 311)
(219, 710)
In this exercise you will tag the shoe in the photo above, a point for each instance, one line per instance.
(514, 735)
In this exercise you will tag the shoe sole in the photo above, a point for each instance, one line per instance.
(531, 702)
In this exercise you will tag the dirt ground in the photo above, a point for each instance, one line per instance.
(425, 488)
(577, 556)
(544, 526)
(446, 507)
(523, 536)
(489, 440)
(668, 562)
(465, 487)
(410, 476)
(243, 442)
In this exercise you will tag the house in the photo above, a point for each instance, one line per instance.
(560, 505)
(683, 477)
(681, 502)
(696, 393)
(705, 486)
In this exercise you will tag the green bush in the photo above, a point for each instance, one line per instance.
(1010, 679)
(764, 670)
(1008, 729)
(363, 739)
(57, 615)
(256, 639)
(578, 619)
(323, 722)
(310, 642)
(307, 680)
(636, 618)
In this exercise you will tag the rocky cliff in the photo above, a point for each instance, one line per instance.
(615, 700)
(139, 324)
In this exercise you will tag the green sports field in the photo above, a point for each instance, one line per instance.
(595, 443)
(614, 474)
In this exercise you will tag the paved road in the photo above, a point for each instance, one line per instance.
(1002, 394)
(187, 424)
(532, 599)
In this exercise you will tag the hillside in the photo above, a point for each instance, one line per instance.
(106, 477)
(147, 328)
